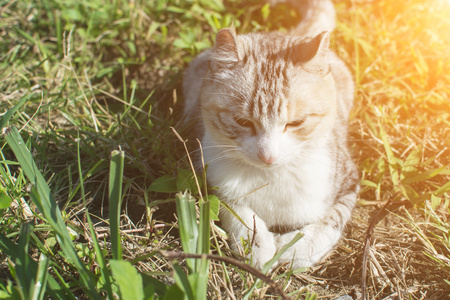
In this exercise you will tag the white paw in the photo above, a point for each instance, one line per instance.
(263, 249)
(311, 248)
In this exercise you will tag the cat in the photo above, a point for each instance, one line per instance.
(272, 112)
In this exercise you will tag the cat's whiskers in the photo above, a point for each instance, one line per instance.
(225, 154)
(213, 146)
(217, 159)
(197, 151)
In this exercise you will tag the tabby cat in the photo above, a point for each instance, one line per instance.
(272, 110)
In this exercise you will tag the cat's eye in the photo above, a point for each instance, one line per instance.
(295, 124)
(246, 124)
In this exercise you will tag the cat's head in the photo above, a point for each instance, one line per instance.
(269, 96)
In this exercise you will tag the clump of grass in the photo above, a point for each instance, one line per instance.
(433, 233)
(402, 91)
(114, 276)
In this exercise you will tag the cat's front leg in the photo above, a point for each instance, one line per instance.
(317, 240)
(256, 232)
(319, 237)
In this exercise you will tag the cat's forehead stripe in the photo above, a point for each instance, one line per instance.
(270, 84)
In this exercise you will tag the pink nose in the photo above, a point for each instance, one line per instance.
(266, 158)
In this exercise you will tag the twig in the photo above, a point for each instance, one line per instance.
(130, 230)
(368, 241)
(32, 117)
(123, 102)
(254, 231)
(232, 261)
(67, 57)
(190, 163)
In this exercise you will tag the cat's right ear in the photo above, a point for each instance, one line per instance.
(313, 54)
(225, 51)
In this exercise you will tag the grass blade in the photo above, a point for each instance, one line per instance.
(187, 221)
(390, 157)
(41, 278)
(105, 273)
(182, 281)
(7, 116)
(25, 279)
(424, 176)
(443, 189)
(204, 228)
(127, 279)
(203, 247)
(115, 200)
(283, 249)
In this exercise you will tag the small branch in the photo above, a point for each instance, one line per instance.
(254, 231)
(190, 163)
(241, 265)
(102, 235)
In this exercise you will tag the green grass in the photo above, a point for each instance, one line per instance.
(88, 86)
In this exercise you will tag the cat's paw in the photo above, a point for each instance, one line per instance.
(299, 255)
(263, 249)
(317, 240)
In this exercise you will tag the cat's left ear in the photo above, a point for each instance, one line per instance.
(314, 53)
(225, 51)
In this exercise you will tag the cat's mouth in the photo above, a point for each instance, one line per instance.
(259, 160)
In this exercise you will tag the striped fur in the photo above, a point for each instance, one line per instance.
(272, 110)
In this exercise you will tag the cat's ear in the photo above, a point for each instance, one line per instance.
(225, 51)
(314, 53)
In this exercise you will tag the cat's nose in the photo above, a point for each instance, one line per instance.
(268, 159)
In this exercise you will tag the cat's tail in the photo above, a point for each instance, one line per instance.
(317, 16)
